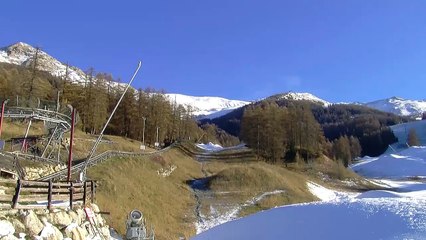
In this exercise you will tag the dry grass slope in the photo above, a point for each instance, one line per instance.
(254, 178)
(133, 183)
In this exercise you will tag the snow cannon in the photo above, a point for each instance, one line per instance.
(136, 217)
(136, 229)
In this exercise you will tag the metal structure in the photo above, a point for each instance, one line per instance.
(56, 123)
(136, 227)
(78, 168)
(71, 143)
(95, 146)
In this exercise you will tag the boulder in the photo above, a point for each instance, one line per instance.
(61, 219)
(94, 208)
(76, 233)
(74, 216)
(81, 214)
(18, 225)
(6, 228)
(32, 223)
(50, 232)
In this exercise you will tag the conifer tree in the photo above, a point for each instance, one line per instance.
(412, 138)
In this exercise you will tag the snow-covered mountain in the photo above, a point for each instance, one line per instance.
(399, 106)
(207, 107)
(204, 107)
(302, 97)
(24, 54)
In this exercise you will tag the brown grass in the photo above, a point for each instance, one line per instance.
(255, 178)
(133, 183)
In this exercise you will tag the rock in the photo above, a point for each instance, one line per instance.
(81, 214)
(50, 232)
(9, 237)
(41, 211)
(61, 219)
(76, 233)
(18, 225)
(105, 232)
(100, 221)
(74, 216)
(32, 223)
(94, 208)
(6, 228)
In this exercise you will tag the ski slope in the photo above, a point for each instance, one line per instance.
(401, 132)
(399, 212)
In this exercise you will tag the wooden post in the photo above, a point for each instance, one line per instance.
(49, 195)
(92, 190)
(17, 192)
(71, 195)
(84, 193)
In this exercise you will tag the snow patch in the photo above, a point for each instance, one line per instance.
(209, 146)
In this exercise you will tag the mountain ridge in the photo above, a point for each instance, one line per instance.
(208, 107)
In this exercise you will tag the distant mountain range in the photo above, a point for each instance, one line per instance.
(204, 107)
(207, 107)
(400, 106)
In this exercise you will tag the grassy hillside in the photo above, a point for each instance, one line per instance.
(133, 183)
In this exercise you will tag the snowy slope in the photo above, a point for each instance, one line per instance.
(396, 213)
(205, 106)
(401, 132)
(302, 96)
(410, 162)
(399, 106)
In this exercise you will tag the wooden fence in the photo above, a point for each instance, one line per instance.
(45, 194)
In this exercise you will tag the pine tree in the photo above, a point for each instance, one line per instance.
(342, 151)
(355, 147)
(412, 138)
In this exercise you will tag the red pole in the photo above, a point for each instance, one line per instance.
(71, 141)
(2, 114)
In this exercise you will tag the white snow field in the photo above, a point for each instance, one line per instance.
(396, 213)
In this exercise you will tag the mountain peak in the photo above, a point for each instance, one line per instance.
(20, 48)
(302, 96)
(396, 98)
(21, 44)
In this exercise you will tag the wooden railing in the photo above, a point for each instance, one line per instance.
(46, 194)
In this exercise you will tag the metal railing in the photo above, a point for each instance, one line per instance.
(96, 160)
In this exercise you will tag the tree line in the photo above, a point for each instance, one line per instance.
(289, 134)
(142, 114)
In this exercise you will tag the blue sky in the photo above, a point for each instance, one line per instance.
(359, 50)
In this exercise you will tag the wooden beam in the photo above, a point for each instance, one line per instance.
(17, 192)
(49, 196)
